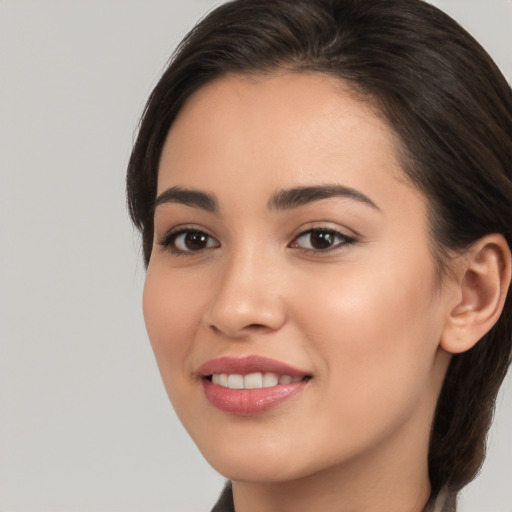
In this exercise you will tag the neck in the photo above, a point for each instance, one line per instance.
(330, 496)
(394, 479)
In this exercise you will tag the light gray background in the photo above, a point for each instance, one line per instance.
(84, 421)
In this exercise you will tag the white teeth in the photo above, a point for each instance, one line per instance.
(270, 379)
(235, 381)
(221, 379)
(252, 380)
(286, 379)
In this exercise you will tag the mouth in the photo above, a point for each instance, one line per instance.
(250, 385)
(256, 380)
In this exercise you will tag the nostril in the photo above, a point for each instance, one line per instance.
(240, 332)
(215, 329)
(256, 326)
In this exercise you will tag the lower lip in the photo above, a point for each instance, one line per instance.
(248, 402)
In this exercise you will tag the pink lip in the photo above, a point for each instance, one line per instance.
(248, 402)
(248, 364)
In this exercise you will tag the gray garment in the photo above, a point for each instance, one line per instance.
(225, 503)
(445, 502)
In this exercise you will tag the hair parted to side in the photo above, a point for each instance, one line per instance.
(451, 109)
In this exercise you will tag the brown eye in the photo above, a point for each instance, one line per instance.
(190, 241)
(321, 240)
(193, 241)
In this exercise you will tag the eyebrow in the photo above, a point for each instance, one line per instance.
(300, 196)
(193, 198)
(282, 200)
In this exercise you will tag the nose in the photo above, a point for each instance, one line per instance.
(246, 298)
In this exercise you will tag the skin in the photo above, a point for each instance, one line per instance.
(364, 319)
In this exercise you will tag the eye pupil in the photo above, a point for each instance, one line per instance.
(195, 241)
(321, 239)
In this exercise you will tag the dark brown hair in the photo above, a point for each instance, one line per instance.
(451, 109)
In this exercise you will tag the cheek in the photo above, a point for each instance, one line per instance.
(382, 306)
(172, 313)
(377, 333)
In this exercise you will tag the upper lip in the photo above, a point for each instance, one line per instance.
(246, 365)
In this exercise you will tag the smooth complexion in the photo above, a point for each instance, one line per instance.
(340, 285)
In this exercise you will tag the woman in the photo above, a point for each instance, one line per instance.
(325, 199)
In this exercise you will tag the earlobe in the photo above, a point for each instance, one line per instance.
(484, 280)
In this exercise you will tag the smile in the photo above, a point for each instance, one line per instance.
(252, 380)
(250, 385)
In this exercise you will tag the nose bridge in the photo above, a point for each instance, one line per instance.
(246, 295)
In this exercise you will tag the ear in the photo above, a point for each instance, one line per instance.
(483, 280)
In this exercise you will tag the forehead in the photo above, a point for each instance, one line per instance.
(263, 133)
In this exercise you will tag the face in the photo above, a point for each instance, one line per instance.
(291, 298)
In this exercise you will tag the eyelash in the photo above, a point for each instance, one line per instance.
(169, 241)
(343, 241)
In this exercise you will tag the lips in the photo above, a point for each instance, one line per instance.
(250, 385)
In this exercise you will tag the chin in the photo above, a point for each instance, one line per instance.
(253, 462)
(264, 472)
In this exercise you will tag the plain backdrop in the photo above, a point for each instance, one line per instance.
(85, 424)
